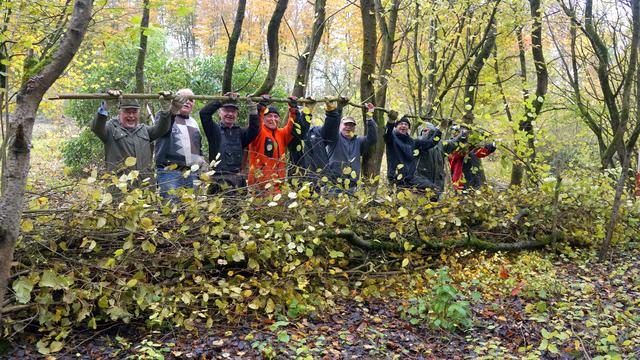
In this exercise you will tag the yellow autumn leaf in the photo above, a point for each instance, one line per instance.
(27, 226)
(130, 161)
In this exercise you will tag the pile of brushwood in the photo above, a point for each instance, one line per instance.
(90, 256)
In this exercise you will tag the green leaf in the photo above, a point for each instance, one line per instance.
(55, 281)
(130, 161)
(283, 336)
(336, 254)
(545, 334)
(22, 287)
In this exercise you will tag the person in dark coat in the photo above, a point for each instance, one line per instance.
(431, 162)
(402, 149)
(125, 137)
(345, 149)
(465, 160)
(227, 141)
(178, 150)
(309, 156)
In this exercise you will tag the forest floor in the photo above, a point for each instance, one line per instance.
(582, 309)
(554, 304)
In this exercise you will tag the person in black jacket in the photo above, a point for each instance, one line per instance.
(308, 149)
(227, 140)
(402, 150)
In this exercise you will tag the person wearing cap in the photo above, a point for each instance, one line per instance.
(402, 149)
(125, 137)
(178, 150)
(227, 141)
(267, 152)
(344, 149)
(464, 162)
(308, 149)
(431, 162)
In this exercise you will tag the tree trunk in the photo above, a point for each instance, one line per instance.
(631, 71)
(367, 91)
(532, 106)
(20, 128)
(387, 23)
(303, 69)
(142, 52)
(231, 49)
(272, 44)
(471, 87)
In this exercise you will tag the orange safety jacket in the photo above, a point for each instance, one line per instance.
(267, 151)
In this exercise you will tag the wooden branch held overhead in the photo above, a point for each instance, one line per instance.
(144, 96)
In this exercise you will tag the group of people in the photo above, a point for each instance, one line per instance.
(331, 150)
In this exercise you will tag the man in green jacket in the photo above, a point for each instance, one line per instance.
(431, 162)
(125, 137)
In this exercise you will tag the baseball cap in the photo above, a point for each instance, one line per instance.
(348, 120)
(129, 104)
(230, 105)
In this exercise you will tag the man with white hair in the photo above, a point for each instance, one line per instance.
(179, 149)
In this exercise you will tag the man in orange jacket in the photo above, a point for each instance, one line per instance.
(267, 161)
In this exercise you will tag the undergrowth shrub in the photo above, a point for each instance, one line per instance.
(101, 257)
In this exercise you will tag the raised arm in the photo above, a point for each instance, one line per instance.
(99, 123)
(485, 150)
(161, 126)
(249, 133)
(388, 131)
(211, 128)
(372, 135)
(430, 141)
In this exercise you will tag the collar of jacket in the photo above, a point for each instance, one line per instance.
(402, 137)
(222, 126)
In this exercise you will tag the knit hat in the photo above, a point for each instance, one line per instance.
(404, 119)
(272, 110)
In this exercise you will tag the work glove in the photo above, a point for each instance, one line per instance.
(252, 105)
(435, 135)
(393, 116)
(265, 100)
(370, 108)
(293, 101)
(112, 102)
(233, 95)
(343, 101)
(171, 104)
(331, 105)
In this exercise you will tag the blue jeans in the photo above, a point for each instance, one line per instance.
(173, 179)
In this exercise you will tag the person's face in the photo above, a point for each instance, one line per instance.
(228, 115)
(129, 118)
(271, 121)
(425, 132)
(348, 129)
(402, 128)
(188, 106)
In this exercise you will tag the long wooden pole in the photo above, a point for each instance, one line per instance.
(103, 96)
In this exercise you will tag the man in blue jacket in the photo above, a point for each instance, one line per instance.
(308, 150)
(344, 149)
